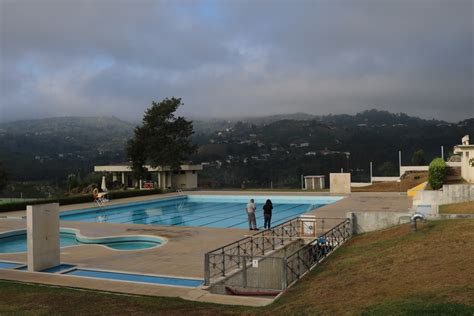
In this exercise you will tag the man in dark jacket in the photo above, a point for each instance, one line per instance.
(267, 213)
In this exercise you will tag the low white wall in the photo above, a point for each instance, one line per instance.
(363, 222)
(384, 179)
(404, 169)
(428, 202)
(42, 223)
(454, 164)
(452, 193)
(360, 184)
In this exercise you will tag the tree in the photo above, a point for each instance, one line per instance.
(418, 158)
(3, 178)
(387, 169)
(163, 139)
(437, 173)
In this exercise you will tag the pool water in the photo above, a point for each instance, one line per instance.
(199, 210)
(17, 242)
(119, 276)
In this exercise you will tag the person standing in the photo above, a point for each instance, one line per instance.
(267, 213)
(251, 207)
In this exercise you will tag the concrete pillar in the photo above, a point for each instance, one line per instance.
(43, 236)
(123, 177)
(351, 217)
(340, 183)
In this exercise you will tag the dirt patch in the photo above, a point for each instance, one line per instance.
(457, 208)
(408, 181)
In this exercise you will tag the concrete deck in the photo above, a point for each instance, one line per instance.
(182, 255)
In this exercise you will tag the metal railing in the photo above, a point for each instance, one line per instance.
(227, 259)
(308, 256)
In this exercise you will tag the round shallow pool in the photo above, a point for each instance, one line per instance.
(15, 241)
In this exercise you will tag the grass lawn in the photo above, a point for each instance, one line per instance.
(389, 272)
(457, 208)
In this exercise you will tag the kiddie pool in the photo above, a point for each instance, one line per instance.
(15, 241)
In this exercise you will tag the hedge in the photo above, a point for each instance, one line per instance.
(436, 173)
(84, 198)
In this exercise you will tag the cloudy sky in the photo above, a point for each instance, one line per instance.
(236, 58)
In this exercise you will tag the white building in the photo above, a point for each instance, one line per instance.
(163, 177)
(466, 151)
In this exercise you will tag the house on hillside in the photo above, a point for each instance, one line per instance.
(466, 151)
(163, 177)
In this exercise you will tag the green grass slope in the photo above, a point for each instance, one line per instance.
(390, 272)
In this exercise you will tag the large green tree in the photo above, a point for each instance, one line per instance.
(162, 139)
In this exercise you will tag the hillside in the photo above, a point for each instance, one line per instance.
(48, 148)
(388, 272)
(259, 152)
(279, 152)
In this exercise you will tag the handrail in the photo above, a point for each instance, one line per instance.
(227, 260)
(256, 235)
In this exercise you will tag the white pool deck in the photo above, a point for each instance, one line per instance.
(182, 255)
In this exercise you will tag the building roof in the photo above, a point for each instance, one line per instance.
(126, 167)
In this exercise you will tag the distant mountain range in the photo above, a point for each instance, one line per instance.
(47, 149)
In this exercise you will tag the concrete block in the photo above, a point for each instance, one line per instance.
(340, 183)
(363, 222)
(43, 236)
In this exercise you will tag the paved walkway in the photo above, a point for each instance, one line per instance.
(182, 255)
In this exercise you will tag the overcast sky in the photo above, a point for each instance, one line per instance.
(236, 58)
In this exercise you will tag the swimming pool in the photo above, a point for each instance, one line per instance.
(15, 241)
(224, 211)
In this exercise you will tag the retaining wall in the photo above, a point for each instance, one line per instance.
(268, 275)
(363, 222)
(452, 193)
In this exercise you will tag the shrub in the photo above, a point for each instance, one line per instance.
(75, 199)
(436, 173)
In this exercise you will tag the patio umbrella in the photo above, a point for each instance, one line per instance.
(103, 186)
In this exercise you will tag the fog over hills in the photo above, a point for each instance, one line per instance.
(241, 149)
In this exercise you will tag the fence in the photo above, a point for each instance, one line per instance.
(227, 259)
(273, 259)
(308, 256)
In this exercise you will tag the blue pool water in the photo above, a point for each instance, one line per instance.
(135, 277)
(16, 241)
(9, 265)
(224, 211)
(59, 268)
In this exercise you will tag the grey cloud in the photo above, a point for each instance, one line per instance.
(227, 58)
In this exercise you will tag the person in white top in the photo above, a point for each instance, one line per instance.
(251, 207)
